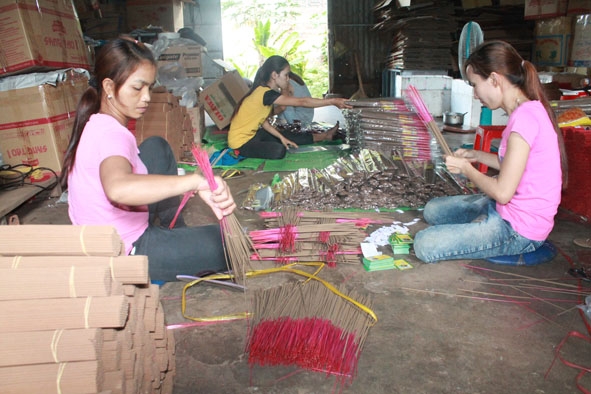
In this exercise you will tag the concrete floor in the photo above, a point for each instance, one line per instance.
(438, 330)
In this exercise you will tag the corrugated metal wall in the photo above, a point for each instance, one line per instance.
(350, 25)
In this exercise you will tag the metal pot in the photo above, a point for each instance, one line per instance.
(453, 118)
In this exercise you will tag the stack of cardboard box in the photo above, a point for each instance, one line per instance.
(37, 37)
(562, 33)
(221, 97)
(166, 118)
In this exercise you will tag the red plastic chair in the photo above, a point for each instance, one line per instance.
(483, 140)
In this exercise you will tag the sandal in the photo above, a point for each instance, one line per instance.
(227, 174)
(582, 242)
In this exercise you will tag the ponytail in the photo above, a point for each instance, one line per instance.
(116, 60)
(89, 104)
(502, 58)
(533, 89)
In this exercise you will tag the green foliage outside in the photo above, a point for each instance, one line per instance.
(270, 34)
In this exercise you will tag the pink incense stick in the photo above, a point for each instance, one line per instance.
(203, 162)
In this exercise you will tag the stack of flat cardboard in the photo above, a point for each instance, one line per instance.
(78, 316)
(166, 118)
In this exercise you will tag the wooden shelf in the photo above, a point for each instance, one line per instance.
(12, 199)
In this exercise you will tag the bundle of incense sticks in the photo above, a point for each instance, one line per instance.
(312, 325)
(426, 117)
(237, 245)
(88, 321)
(324, 240)
(385, 125)
(360, 219)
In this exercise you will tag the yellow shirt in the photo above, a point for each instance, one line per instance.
(249, 118)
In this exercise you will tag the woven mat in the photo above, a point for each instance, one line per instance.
(308, 156)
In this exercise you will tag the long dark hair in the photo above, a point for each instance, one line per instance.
(502, 58)
(295, 77)
(116, 60)
(274, 63)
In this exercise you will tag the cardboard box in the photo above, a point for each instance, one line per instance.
(188, 56)
(552, 41)
(221, 97)
(581, 50)
(106, 23)
(165, 14)
(36, 122)
(578, 7)
(196, 116)
(167, 119)
(40, 35)
(540, 9)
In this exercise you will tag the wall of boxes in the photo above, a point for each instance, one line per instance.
(562, 33)
(47, 52)
(36, 39)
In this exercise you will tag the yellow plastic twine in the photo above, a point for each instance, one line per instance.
(249, 274)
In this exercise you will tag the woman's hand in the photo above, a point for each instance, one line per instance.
(469, 154)
(340, 103)
(461, 160)
(220, 200)
(288, 143)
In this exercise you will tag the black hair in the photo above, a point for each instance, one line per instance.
(502, 58)
(116, 60)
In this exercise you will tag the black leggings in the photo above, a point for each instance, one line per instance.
(266, 146)
(180, 250)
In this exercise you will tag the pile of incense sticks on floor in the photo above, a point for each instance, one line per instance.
(304, 237)
(87, 321)
(388, 126)
(309, 325)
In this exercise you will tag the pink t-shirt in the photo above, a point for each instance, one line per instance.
(532, 209)
(104, 136)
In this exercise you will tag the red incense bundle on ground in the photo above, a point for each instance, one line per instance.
(311, 325)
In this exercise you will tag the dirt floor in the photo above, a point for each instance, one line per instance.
(453, 327)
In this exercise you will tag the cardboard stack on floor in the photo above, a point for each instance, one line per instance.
(78, 315)
(166, 118)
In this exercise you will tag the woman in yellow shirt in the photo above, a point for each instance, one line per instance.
(250, 131)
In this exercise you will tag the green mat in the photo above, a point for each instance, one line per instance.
(295, 161)
(218, 139)
(291, 162)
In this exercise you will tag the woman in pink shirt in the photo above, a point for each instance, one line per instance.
(515, 213)
(112, 181)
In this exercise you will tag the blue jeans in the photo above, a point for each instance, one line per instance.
(182, 249)
(467, 227)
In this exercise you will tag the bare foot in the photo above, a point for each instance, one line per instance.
(327, 135)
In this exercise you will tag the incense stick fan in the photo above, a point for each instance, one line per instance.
(426, 117)
(237, 245)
